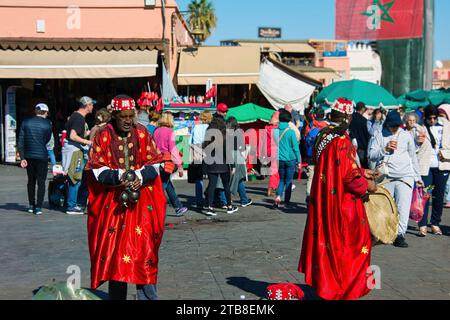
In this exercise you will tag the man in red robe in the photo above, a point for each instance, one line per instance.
(336, 247)
(124, 236)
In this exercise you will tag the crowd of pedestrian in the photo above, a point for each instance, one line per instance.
(131, 154)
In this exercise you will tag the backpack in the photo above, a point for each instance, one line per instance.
(309, 141)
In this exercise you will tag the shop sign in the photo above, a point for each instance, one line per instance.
(265, 32)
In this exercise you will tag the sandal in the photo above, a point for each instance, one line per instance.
(423, 231)
(436, 230)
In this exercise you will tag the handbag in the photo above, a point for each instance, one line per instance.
(419, 200)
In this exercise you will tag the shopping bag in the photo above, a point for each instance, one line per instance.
(417, 204)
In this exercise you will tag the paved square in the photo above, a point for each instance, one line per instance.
(225, 257)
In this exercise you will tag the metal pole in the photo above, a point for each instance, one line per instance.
(429, 44)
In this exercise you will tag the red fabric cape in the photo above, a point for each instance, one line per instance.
(336, 246)
(124, 242)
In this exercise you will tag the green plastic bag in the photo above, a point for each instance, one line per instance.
(64, 291)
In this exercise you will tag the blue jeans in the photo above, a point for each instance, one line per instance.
(170, 190)
(51, 155)
(242, 192)
(286, 169)
(199, 193)
(72, 194)
(439, 180)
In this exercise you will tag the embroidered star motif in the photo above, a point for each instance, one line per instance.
(149, 263)
(322, 178)
(123, 226)
(328, 246)
(364, 250)
(333, 191)
(126, 259)
(138, 230)
(111, 230)
(150, 208)
(150, 188)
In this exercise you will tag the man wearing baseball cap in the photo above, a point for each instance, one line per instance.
(76, 141)
(215, 163)
(34, 135)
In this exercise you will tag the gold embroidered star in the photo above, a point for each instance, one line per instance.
(126, 259)
(322, 178)
(138, 230)
(364, 250)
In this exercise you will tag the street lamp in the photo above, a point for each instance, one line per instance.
(198, 34)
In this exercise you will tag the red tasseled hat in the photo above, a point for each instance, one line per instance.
(121, 104)
(343, 105)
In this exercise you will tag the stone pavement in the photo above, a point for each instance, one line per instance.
(221, 258)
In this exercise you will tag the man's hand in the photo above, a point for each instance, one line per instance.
(180, 172)
(391, 146)
(420, 184)
(369, 174)
(136, 184)
(24, 164)
(372, 186)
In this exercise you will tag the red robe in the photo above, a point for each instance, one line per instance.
(336, 245)
(124, 242)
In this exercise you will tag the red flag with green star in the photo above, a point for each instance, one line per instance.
(379, 19)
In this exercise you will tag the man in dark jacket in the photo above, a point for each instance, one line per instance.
(360, 132)
(215, 163)
(34, 135)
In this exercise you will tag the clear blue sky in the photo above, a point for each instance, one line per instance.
(299, 19)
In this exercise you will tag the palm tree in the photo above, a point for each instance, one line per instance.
(202, 18)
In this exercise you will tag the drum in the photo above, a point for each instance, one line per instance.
(383, 216)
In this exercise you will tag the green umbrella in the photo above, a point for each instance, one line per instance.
(249, 113)
(422, 98)
(373, 95)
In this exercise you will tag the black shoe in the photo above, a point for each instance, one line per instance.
(288, 206)
(232, 209)
(400, 242)
(210, 212)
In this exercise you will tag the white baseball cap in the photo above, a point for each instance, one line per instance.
(84, 101)
(41, 107)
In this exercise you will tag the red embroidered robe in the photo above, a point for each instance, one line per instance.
(336, 246)
(124, 242)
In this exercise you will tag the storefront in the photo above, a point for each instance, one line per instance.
(57, 52)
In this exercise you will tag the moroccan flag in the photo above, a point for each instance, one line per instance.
(379, 19)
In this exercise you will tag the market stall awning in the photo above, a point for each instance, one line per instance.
(282, 87)
(223, 65)
(249, 113)
(77, 64)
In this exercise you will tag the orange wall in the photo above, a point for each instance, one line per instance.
(339, 64)
(442, 74)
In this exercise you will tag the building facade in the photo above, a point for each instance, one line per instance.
(441, 75)
(53, 51)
